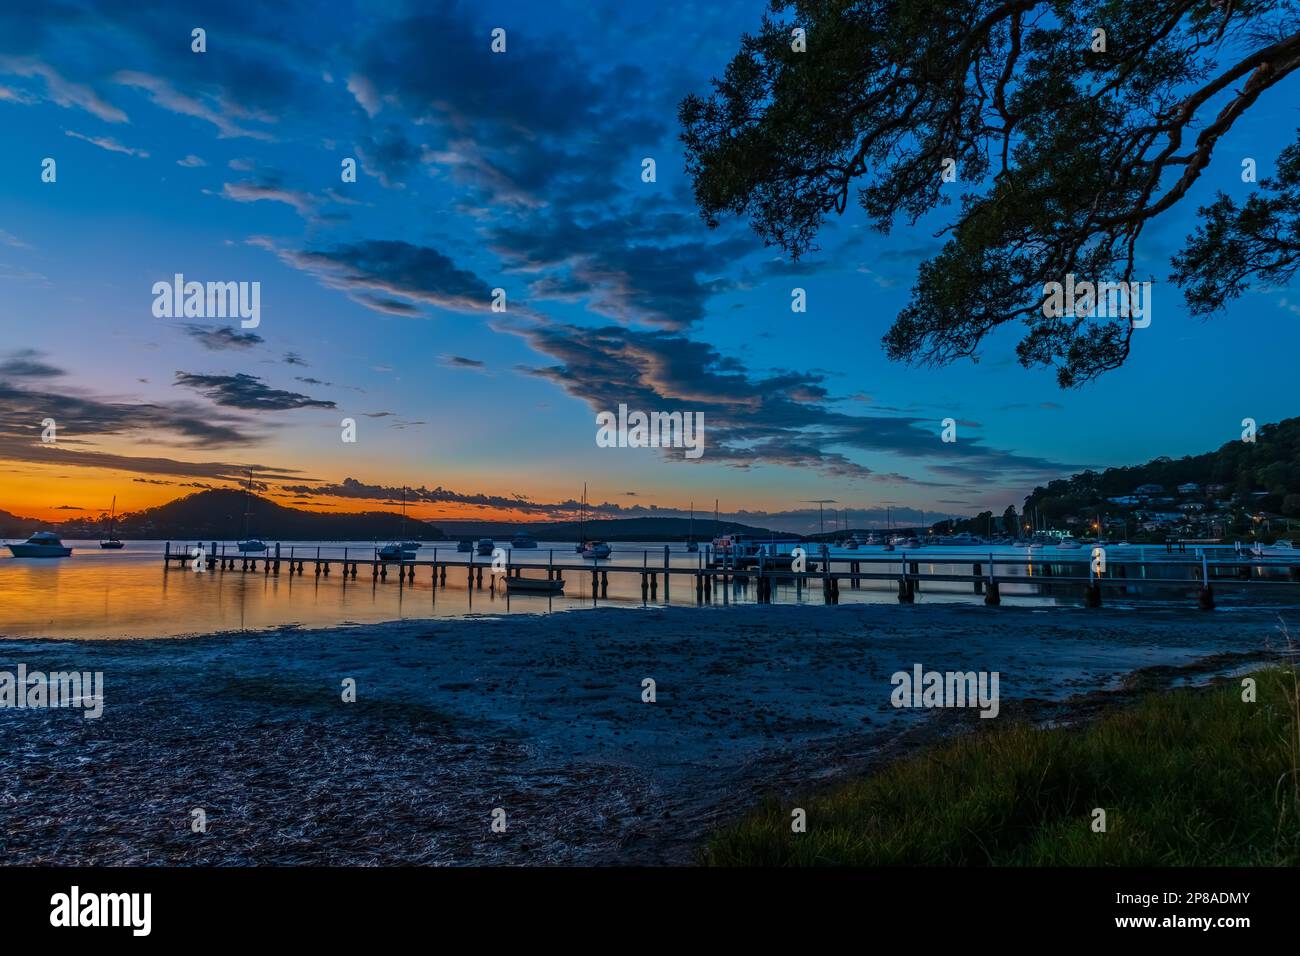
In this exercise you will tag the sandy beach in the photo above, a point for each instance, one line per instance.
(540, 716)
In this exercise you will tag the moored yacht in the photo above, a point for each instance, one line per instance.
(42, 544)
(114, 543)
(465, 546)
(485, 547)
(596, 549)
(523, 540)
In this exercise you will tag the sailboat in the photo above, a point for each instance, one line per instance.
(591, 549)
(691, 544)
(249, 545)
(889, 532)
(114, 543)
(582, 520)
(400, 550)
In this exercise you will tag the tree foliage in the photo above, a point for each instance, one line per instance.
(1065, 151)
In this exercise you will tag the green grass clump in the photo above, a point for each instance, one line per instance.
(1187, 778)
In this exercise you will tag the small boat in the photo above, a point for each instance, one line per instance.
(1068, 544)
(692, 545)
(850, 544)
(42, 544)
(114, 543)
(521, 585)
(399, 550)
(596, 549)
(485, 547)
(465, 546)
(523, 540)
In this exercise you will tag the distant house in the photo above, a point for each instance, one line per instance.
(1146, 490)
(1128, 501)
(1217, 489)
(1191, 506)
(1190, 488)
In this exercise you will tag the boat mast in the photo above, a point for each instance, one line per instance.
(247, 503)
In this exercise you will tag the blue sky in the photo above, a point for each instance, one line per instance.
(521, 171)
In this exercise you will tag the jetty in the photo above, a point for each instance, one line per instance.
(1197, 573)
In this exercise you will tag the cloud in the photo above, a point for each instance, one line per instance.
(246, 392)
(108, 143)
(400, 272)
(459, 361)
(190, 162)
(302, 203)
(221, 337)
(293, 358)
(164, 95)
(26, 363)
(82, 419)
(61, 91)
(783, 418)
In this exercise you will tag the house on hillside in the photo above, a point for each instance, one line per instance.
(1127, 501)
(1190, 488)
(1145, 491)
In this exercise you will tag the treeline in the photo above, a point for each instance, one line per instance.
(1270, 464)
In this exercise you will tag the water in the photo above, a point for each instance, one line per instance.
(118, 594)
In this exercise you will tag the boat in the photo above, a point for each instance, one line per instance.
(691, 544)
(485, 547)
(887, 540)
(582, 520)
(114, 543)
(465, 546)
(596, 549)
(399, 550)
(523, 540)
(1068, 544)
(733, 549)
(42, 544)
(518, 584)
(249, 545)
(850, 544)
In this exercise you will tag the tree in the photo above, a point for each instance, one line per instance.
(1011, 521)
(1067, 144)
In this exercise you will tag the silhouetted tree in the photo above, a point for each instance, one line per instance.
(1066, 145)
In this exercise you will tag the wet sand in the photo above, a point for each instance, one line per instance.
(540, 716)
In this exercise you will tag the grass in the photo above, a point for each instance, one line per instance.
(1192, 777)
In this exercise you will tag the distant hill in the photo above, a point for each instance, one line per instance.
(1270, 464)
(219, 516)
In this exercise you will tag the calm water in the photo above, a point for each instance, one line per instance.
(115, 594)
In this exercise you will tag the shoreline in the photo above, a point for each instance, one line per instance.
(539, 715)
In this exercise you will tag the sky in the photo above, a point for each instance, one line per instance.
(519, 171)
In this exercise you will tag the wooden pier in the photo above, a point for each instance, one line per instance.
(988, 575)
